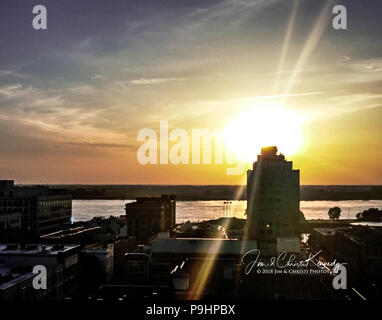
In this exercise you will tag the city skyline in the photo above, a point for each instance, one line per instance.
(74, 97)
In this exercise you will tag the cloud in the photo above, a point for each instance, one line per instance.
(373, 65)
(277, 96)
(7, 73)
(18, 100)
(104, 145)
(11, 91)
(83, 89)
(97, 77)
(144, 81)
(220, 56)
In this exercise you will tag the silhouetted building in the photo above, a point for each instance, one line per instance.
(17, 262)
(16, 283)
(41, 210)
(361, 248)
(121, 248)
(323, 239)
(273, 203)
(132, 293)
(6, 188)
(10, 221)
(115, 225)
(223, 280)
(150, 215)
(104, 253)
(166, 253)
(137, 268)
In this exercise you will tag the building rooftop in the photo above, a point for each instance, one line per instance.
(10, 275)
(363, 234)
(67, 233)
(9, 190)
(151, 200)
(326, 231)
(270, 153)
(36, 249)
(202, 246)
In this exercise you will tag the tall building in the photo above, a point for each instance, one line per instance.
(150, 215)
(34, 210)
(273, 203)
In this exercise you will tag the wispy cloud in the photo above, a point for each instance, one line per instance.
(144, 81)
(104, 145)
(97, 77)
(277, 96)
(6, 73)
(83, 89)
(372, 67)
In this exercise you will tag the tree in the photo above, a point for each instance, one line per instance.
(372, 214)
(334, 213)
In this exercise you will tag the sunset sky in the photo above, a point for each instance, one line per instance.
(74, 97)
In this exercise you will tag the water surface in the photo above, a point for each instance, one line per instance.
(213, 209)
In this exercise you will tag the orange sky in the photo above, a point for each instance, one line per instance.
(72, 106)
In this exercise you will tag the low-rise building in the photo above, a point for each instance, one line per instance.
(219, 279)
(167, 253)
(137, 268)
(104, 253)
(16, 283)
(42, 210)
(18, 261)
(150, 215)
(361, 248)
(323, 239)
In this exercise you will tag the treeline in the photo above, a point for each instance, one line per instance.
(215, 192)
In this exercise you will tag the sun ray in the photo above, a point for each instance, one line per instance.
(287, 39)
(311, 43)
(204, 272)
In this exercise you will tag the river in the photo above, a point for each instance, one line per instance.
(206, 210)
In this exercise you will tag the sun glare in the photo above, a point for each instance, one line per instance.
(264, 125)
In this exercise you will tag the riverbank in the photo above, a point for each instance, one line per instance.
(216, 192)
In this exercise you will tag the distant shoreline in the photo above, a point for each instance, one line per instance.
(215, 192)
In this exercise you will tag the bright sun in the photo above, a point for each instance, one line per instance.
(266, 125)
